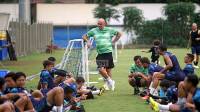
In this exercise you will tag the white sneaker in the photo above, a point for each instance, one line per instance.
(113, 86)
(196, 66)
(106, 86)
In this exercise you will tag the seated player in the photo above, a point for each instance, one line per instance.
(189, 69)
(43, 103)
(136, 71)
(21, 102)
(46, 79)
(171, 71)
(83, 90)
(154, 52)
(61, 76)
(187, 105)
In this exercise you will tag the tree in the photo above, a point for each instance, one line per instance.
(133, 19)
(106, 13)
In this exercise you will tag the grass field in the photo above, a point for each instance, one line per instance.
(121, 100)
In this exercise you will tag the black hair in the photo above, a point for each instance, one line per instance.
(166, 83)
(47, 63)
(137, 57)
(193, 79)
(10, 74)
(18, 75)
(53, 59)
(156, 42)
(2, 82)
(191, 56)
(163, 47)
(145, 60)
(80, 80)
(62, 73)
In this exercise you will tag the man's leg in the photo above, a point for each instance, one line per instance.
(24, 104)
(56, 97)
(109, 72)
(7, 107)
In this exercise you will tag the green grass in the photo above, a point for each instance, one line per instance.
(121, 100)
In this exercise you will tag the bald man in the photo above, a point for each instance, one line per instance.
(195, 43)
(105, 37)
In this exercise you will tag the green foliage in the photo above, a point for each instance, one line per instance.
(106, 13)
(111, 2)
(133, 19)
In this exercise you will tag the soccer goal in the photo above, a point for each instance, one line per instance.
(80, 61)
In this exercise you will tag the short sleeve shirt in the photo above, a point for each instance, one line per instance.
(103, 39)
(134, 68)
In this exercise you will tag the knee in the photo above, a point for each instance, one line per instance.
(58, 90)
(102, 69)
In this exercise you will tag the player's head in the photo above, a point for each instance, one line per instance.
(194, 26)
(137, 60)
(48, 65)
(145, 62)
(162, 48)
(156, 42)
(80, 81)
(53, 59)
(61, 76)
(68, 91)
(189, 58)
(191, 81)
(20, 79)
(101, 23)
(2, 83)
(165, 84)
(9, 79)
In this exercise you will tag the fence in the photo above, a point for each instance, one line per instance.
(30, 38)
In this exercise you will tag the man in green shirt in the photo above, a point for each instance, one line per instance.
(104, 40)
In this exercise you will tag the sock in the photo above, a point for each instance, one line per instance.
(109, 80)
(151, 85)
(59, 108)
(163, 107)
(96, 92)
(181, 101)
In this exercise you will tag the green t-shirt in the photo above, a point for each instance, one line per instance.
(135, 68)
(103, 38)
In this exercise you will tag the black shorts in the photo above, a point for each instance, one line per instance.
(105, 60)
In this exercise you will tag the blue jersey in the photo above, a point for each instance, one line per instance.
(196, 99)
(154, 68)
(172, 93)
(176, 67)
(73, 86)
(13, 90)
(46, 77)
(189, 69)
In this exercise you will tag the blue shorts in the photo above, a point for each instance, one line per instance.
(195, 50)
(41, 105)
(175, 76)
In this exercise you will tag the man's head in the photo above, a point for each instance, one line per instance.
(188, 58)
(191, 81)
(194, 26)
(20, 79)
(137, 60)
(145, 62)
(61, 75)
(53, 59)
(156, 42)
(101, 23)
(48, 65)
(9, 78)
(80, 81)
(162, 48)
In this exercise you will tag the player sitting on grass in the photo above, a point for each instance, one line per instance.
(83, 90)
(189, 69)
(136, 73)
(46, 79)
(188, 105)
(154, 52)
(171, 71)
(21, 101)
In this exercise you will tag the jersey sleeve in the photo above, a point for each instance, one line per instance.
(113, 32)
(132, 69)
(44, 77)
(90, 33)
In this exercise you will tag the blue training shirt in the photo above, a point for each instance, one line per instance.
(189, 69)
(154, 68)
(46, 77)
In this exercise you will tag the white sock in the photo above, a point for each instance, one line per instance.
(59, 108)
(96, 92)
(109, 80)
(163, 107)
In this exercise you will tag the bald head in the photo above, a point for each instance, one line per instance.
(101, 23)
(194, 26)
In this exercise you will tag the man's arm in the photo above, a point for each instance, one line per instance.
(168, 64)
(117, 37)
(86, 39)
